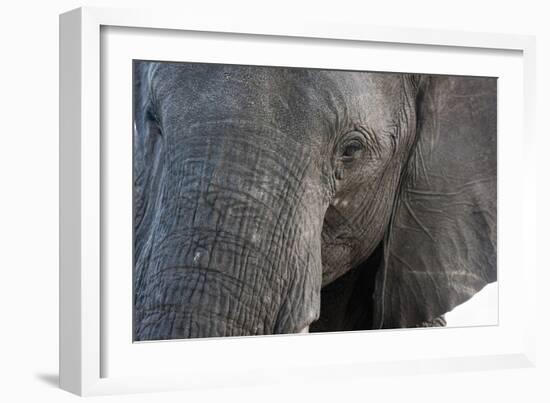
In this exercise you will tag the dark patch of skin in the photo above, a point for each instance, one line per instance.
(258, 187)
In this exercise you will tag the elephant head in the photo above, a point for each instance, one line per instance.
(273, 200)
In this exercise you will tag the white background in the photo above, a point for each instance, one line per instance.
(28, 206)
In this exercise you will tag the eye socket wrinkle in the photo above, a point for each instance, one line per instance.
(372, 141)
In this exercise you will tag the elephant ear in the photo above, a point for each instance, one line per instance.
(440, 248)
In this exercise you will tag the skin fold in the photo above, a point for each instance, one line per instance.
(272, 200)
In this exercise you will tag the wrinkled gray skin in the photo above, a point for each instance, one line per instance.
(270, 200)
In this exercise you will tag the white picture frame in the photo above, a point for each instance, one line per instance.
(85, 307)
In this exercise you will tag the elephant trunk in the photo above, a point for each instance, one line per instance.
(235, 247)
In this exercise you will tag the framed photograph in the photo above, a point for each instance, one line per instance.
(244, 201)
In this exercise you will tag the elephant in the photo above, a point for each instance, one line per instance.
(279, 200)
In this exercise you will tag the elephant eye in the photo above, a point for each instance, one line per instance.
(352, 150)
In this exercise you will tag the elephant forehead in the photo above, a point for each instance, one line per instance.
(293, 99)
(372, 98)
